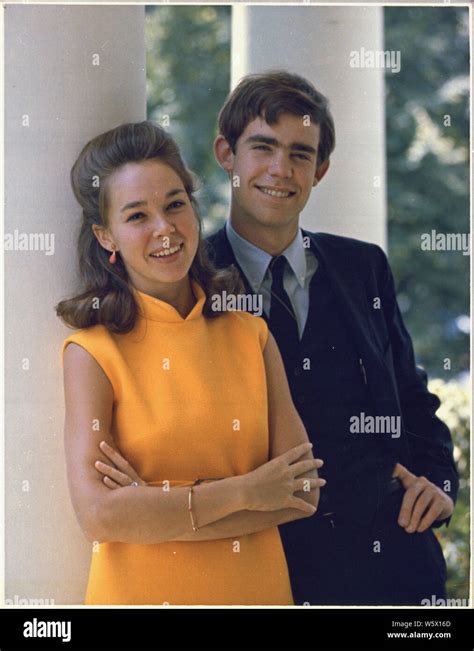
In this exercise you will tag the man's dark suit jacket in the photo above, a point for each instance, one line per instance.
(361, 280)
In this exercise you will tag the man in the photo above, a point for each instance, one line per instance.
(330, 303)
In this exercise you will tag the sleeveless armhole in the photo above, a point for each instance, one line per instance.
(98, 343)
(262, 332)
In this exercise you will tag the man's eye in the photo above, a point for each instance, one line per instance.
(135, 216)
(262, 147)
(302, 156)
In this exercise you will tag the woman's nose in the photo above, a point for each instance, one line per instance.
(162, 226)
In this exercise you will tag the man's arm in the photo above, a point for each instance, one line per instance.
(429, 439)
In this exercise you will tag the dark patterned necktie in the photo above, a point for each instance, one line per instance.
(282, 321)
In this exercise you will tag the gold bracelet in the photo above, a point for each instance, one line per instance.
(190, 503)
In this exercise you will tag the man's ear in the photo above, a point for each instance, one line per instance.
(103, 235)
(320, 172)
(223, 153)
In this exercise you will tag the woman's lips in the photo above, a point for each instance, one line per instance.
(168, 257)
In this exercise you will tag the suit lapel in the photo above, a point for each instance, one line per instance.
(350, 294)
(223, 255)
(220, 249)
(347, 286)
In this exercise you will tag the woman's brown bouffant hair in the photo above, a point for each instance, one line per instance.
(107, 297)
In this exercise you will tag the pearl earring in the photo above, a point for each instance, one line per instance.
(113, 257)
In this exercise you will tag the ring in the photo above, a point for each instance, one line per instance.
(134, 483)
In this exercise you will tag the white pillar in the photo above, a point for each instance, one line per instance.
(58, 94)
(316, 43)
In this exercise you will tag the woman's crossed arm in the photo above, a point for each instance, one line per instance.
(281, 490)
(286, 431)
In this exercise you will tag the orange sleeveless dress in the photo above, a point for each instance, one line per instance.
(190, 401)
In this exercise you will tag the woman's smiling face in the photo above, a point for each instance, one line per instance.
(152, 224)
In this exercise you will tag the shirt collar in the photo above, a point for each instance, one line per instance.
(295, 254)
(254, 261)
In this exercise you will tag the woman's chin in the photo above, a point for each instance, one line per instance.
(172, 276)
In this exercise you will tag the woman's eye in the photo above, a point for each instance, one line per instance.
(135, 216)
(176, 204)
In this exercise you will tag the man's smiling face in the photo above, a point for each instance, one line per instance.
(273, 170)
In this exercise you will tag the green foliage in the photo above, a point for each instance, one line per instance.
(428, 176)
(455, 412)
(188, 79)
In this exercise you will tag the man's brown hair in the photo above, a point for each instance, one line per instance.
(270, 94)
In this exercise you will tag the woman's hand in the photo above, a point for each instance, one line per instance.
(119, 473)
(273, 485)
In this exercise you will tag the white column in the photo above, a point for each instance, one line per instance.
(71, 72)
(316, 42)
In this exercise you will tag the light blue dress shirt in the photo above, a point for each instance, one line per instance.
(301, 267)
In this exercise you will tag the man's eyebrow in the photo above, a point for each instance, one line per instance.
(295, 146)
(142, 202)
(301, 146)
(265, 139)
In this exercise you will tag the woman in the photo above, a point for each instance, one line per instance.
(184, 450)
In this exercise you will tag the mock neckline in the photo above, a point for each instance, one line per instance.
(154, 309)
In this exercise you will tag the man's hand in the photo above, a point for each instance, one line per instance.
(423, 502)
